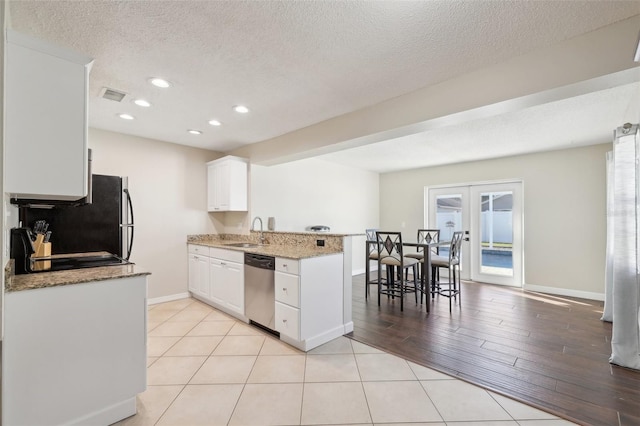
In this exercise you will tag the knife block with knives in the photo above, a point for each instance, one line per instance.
(42, 249)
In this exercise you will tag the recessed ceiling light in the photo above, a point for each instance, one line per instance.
(142, 103)
(241, 109)
(126, 116)
(159, 82)
(215, 122)
(194, 132)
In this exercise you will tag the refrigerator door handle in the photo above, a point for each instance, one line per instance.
(130, 224)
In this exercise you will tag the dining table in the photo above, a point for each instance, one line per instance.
(426, 264)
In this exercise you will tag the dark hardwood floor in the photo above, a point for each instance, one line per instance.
(547, 351)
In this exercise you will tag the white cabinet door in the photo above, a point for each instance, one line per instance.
(202, 285)
(46, 126)
(227, 188)
(199, 275)
(218, 187)
(234, 286)
(227, 284)
(193, 273)
(211, 189)
(222, 186)
(217, 289)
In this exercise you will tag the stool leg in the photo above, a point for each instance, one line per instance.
(415, 283)
(401, 293)
(379, 286)
(454, 278)
(433, 281)
(367, 278)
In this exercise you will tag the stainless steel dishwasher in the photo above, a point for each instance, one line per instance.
(259, 291)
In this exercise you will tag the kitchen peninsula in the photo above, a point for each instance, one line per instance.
(311, 272)
(74, 349)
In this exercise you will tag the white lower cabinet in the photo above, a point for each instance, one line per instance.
(309, 300)
(217, 278)
(309, 293)
(74, 354)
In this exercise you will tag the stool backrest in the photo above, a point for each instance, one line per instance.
(371, 234)
(428, 236)
(389, 245)
(454, 250)
(371, 238)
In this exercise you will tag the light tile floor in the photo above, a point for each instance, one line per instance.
(207, 368)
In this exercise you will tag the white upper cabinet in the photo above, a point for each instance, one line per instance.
(227, 184)
(46, 155)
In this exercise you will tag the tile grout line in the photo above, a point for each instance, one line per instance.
(183, 386)
(304, 383)
(364, 392)
(244, 385)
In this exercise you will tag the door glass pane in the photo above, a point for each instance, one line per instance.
(496, 222)
(448, 218)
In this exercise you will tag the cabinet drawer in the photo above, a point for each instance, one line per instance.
(287, 265)
(201, 250)
(230, 255)
(288, 289)
(288, 321)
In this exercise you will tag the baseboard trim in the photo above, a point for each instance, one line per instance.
(565, 292)
(108, 415)
(348, 327)
(169, 298)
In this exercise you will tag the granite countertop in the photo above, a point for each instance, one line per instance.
(291, 245)
(275, 250)
(72, 276)
(314, 233)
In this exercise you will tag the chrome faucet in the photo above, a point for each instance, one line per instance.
(253, 228)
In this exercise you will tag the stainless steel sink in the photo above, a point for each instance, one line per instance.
(243, 245)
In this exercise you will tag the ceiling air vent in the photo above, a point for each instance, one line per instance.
(112, 95)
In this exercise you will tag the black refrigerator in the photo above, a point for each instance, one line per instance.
(104, 225)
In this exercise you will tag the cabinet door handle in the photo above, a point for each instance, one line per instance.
(284, 320)
(284, 289)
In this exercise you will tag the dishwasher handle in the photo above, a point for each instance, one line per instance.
(260, 261)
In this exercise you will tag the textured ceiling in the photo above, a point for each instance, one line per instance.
(294, 63)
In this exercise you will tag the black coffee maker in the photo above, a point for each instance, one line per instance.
(21, 249)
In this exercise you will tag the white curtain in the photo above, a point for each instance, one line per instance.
(622, 295)
(607, 314)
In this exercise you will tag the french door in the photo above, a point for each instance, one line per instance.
(492, 215)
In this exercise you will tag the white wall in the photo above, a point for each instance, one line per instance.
(168, 187)
(564, 211)
(317, 192)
